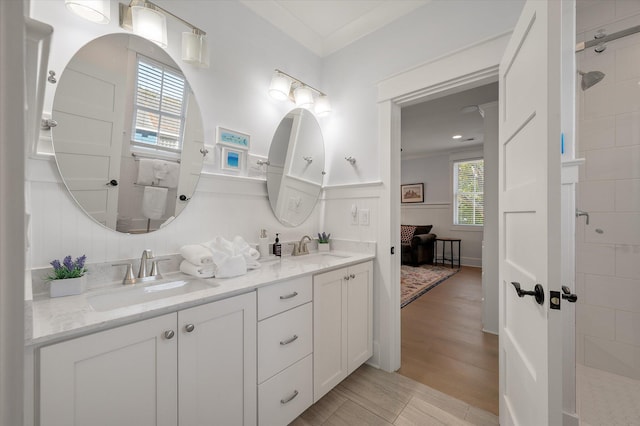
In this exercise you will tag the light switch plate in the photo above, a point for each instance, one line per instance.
(364, 217)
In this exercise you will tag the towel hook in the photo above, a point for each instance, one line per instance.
(351, 160)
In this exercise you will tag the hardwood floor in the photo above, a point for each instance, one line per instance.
(374, 397)
(443, 345)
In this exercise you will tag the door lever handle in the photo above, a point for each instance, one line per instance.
(568, 296)
(538, 292)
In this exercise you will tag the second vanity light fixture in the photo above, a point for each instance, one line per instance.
(283, 86)
(149, 20)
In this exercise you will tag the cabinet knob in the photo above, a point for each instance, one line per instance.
(169, 334)
(352, 276)
(189, 328)
(346, 277)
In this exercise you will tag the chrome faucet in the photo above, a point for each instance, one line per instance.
(146, 255)
(301, 248)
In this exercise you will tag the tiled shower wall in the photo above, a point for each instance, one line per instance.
(608, 249)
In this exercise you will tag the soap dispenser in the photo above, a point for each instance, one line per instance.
(277, 247)
(263, 244)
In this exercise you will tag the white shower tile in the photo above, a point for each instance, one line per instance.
(597, 133)
(616, 228)
(617, 163)
(615, 357)
(596, 321)
(628, 262)
(597, 196)
(627, 63)
(626, 98)
(627, 195)
(628, 129)
(599, 101)
(591, 13)
(612, 292)
(625, 8)
(628, 327)
(596, 259)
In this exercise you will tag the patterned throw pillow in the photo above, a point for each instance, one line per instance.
(406, 233)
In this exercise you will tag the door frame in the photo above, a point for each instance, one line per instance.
(473, 66)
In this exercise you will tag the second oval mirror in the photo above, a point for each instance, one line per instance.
(129, 135)
(296, 167)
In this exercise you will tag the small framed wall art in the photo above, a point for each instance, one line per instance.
(233, 159)
(412, 193)
(232, 138)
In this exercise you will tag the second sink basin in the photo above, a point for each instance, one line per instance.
(135, 295)
(317, 258)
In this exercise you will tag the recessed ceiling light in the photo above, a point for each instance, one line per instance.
(457, 136)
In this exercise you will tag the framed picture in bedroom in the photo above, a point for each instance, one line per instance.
(232, 138)
(412, 193)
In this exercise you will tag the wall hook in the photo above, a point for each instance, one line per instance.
(351, 160)
(309, 160)
(204, 151)
(52, 77)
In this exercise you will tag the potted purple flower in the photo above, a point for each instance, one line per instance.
(68, 277)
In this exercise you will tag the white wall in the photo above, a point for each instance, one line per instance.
(608, 262)
(436, 173)
(232, 93)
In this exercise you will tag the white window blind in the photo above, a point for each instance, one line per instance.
(160, 105)
(468, 192)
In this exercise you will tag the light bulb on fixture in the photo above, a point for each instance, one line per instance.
(322, 105)
(149, 23)
(195, 49)
(280, 86)
(303, 97)
(98, 11)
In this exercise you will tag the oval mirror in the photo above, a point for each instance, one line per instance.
(296, 167)
(129, 136)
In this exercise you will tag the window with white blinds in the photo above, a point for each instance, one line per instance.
(468, 192)
(160, 105)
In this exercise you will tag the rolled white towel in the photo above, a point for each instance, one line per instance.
(197, 254)
(200, 271)
(232, 267)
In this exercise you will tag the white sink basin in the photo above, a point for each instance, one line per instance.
(138, 294)
(317, 258)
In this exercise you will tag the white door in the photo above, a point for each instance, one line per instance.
(89, 109)
(217, 363)
(529, 220)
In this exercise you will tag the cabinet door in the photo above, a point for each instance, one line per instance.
(359, 315)
(123, 376)
(217, 363)
(329, 331)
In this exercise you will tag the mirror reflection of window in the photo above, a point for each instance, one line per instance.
(160, 106)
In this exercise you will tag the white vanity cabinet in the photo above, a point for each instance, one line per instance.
(342, 324)
(198, 364)
(285, 345)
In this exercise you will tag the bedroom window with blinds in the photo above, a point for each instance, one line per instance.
(159, 106)
(468, 192)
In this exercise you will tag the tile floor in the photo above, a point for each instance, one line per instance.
(373, 397)
(606, 399)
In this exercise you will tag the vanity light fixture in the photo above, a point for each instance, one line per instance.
(98, 11)
(149, 20)
(284, 86)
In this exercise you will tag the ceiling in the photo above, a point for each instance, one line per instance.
(427, 128)
(325, 26)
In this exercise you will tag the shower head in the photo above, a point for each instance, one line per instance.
(590, 78)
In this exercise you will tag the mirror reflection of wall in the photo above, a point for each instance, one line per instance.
(122, 95)
(296, 167)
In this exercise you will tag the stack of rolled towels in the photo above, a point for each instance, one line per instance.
(219, 258)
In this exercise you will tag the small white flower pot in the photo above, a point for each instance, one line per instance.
(324, 247)
(68, 287)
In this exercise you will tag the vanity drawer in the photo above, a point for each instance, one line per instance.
(283, 340)
(286, 395)
(280, 297)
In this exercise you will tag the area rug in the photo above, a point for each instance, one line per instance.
(417, 280)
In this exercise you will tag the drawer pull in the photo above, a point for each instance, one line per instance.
(289, 340)
(289, 296)
(290, 398)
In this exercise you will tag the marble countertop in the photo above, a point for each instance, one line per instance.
(55, 319)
